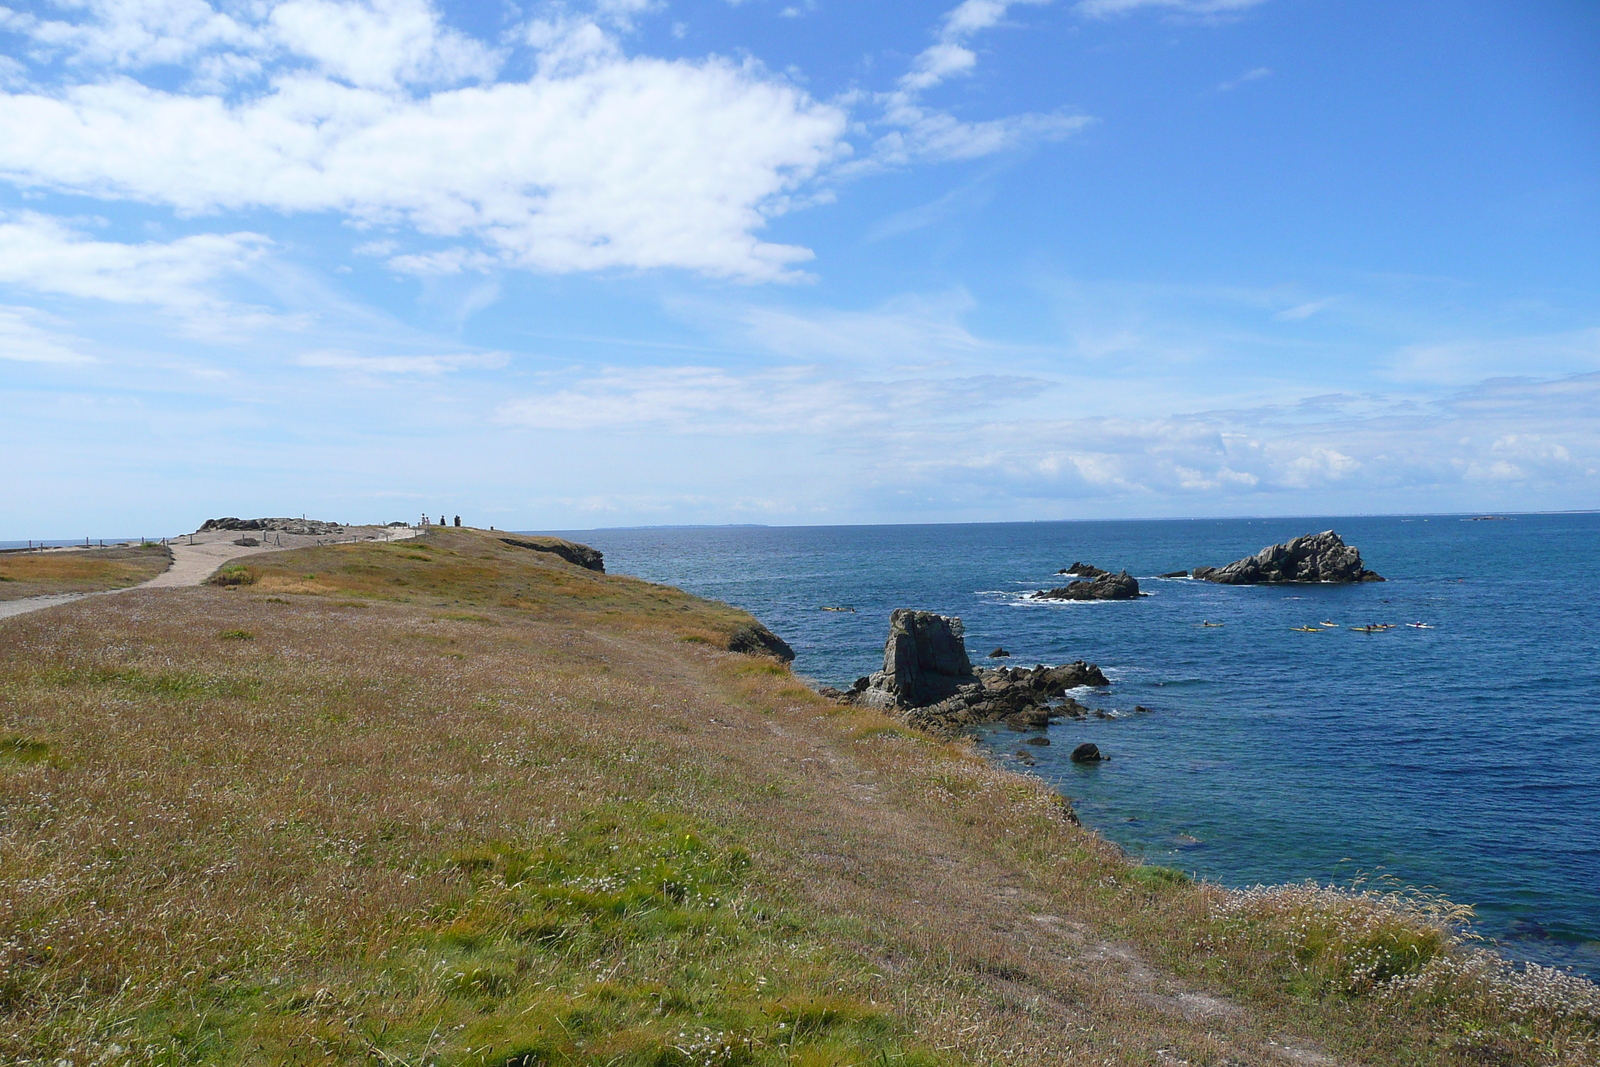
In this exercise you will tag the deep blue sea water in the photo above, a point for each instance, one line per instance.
(1465, 757)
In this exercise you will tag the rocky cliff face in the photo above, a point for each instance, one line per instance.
(1321, 557)
(1123, 586)
(590, 559)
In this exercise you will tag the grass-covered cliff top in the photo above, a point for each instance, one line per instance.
(86, 570)
(450, 801)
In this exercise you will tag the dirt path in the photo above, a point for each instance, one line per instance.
(862, 850)
(195, 557)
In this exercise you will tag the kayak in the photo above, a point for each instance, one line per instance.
(1420, 625)
(1307, 629)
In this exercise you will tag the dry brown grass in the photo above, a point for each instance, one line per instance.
(90, 570)
(512, 809)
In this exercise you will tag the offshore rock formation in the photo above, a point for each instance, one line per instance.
(1083, 570)
(928, 681)
(1322, 557)
(924, 661)
(590, 559)
(1121, 586)
(310, 527)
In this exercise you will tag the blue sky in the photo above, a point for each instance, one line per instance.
(682, 261)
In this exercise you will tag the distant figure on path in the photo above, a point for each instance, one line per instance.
(458, 520)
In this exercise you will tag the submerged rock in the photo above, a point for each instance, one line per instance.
(1121, 586)
(1321, 557)
(1088, 753)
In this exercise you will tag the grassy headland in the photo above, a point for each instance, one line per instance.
(87, 570)
(449, 801)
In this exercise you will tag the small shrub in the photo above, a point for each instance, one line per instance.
(1153, 877)
(233, 574)
(237, 635)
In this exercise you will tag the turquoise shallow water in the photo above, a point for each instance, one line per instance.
(1465, 757)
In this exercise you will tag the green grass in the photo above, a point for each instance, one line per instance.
(23, 749)
(633, 937)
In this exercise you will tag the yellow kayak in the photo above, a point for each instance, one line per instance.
(1306, 629)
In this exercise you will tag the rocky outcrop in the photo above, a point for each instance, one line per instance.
(1088, 753)
(928, 681)
(1123, 586)
(1321, 557)
(590, 559)
(308, 527)
(1083, 570)
(924, 661)
(756, 640)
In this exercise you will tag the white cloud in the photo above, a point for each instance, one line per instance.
(44, 255)
(599, 161)
(633, 163)
(23, 342)
(380, 43)
(129, 34)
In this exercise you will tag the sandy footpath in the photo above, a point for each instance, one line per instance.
(196, 556)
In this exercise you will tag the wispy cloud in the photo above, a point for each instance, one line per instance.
(1190, 8)
(22, 340)
(1248, 76)
(791, 400)
(367, 364)
(1306, 310)
(45, 255)
(918, 132)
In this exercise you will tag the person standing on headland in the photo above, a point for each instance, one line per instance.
(458, 520)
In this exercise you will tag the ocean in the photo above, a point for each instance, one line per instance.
(1463, 758)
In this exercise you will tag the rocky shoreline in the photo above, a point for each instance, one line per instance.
(928, 681)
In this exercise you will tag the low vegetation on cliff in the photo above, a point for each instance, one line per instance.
(88, 570)
(451, 801)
